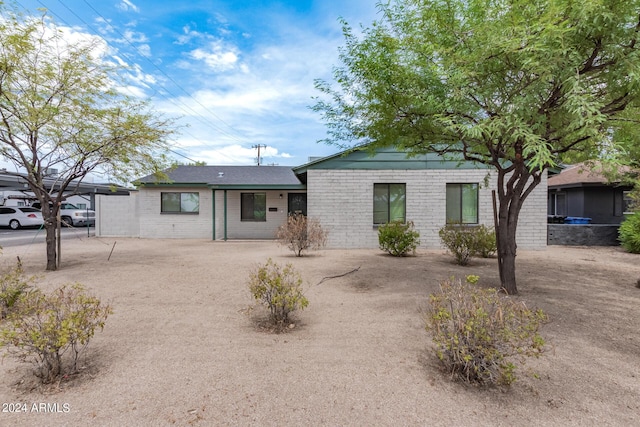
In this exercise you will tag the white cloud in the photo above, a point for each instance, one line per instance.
(135, 37)
(237, 154)
(145, 50)
(127, 5)
(131, 90)
(262, 98)
(217, 56)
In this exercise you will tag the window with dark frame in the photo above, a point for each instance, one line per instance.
(389, 203)
(557, 204)
(178, 202)
(253, 206)
(627, 203)
(462, 203)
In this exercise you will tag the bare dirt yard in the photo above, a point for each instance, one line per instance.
(180, 349)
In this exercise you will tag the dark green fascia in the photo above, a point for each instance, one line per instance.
(385, 159)
(174, 184)
(258, 187)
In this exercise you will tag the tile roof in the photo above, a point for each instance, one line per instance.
(229, 175)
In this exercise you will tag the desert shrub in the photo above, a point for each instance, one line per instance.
(480, 335)
(279, 289)
(484, 241)
(300, 233)
(459, 240)
(13, 284)
(398, 238)
(465, 241)
(45, 327)
(629, 233)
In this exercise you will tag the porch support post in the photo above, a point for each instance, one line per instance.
(213, 212)
(225, 215)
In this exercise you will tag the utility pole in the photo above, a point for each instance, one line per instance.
(258, 146)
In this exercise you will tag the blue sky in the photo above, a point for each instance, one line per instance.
(238, 73)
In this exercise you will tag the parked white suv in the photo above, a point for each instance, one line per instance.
(71, 215)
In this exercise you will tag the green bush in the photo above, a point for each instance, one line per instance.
(43, 328)
(12, 285)
(480, 335)
(465, 241)
(459, 240)
(629, 233)
(398, 238)
(279, 289)
(485, 244)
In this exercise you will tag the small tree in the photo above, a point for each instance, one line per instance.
(398, 238)
(43, 328)
(512, 85)
(300, 233)
(481, 336)
(60, 108)
(278, 288)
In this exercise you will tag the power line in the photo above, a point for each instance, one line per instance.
(184, 106)
(126, 39)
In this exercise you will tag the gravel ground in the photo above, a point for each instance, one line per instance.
(180, 348)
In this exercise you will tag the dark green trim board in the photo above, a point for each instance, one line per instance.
(213, 214)
(227, 186)
(259, 187)
(174, 184)
(225, 215)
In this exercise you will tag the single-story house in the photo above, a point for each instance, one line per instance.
(582, 190)
(350, 193)
(584, 208)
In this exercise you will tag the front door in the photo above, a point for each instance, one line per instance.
(298, 203)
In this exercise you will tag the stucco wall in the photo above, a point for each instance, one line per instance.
(238, 229)
(343, 202)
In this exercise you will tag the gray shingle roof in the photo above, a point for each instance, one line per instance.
(228, 175)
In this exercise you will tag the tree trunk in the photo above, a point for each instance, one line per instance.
(51, 241)
(506, 235)
(512, 191)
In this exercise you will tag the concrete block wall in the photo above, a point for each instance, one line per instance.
(532, 223)
(583, 235)
(343, 202)
(117, 216)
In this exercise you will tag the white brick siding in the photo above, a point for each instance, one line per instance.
(154, 224)
(117, 216)
(342, 200)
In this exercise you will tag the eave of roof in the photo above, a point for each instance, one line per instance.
(227, 177)
(384, 159)
(579, 175)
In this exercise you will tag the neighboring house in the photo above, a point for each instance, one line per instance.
(582, 191)
(350, 193)
(26, 198)
(13, 191)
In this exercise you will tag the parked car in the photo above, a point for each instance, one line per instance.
(17, 217)
(71, 215)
